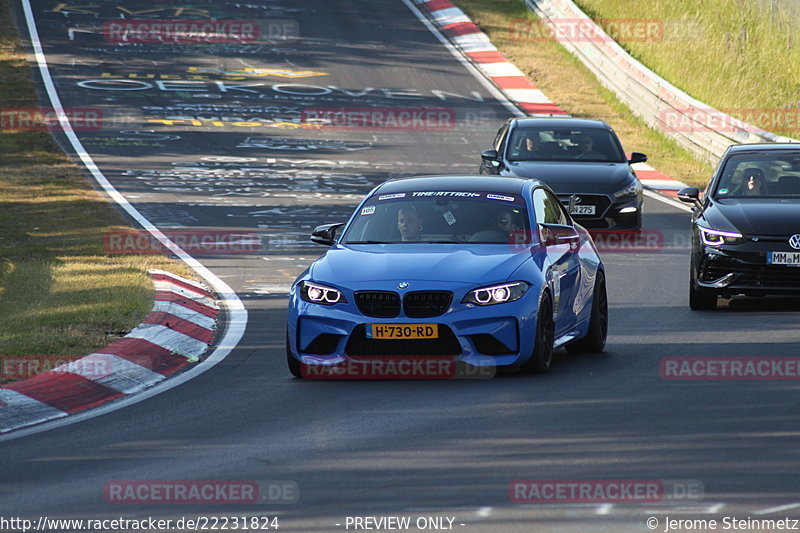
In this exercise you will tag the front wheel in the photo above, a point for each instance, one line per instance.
(542, 356)
(595, 340)
(293, 364)
(700, 300)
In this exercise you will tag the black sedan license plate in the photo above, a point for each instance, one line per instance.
(783, 258)
(582, 210)
(402, 331)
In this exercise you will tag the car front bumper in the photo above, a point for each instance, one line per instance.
(728, 270)
(496, 335)
(610, 212)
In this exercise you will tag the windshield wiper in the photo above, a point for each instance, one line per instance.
(367, 242)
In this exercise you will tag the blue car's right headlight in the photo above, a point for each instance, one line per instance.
(496, 294)
(320, 294)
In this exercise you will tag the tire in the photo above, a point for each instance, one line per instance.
(638, 225)
(595, 339)
(542, 356)
(700, 300)
(295, 366)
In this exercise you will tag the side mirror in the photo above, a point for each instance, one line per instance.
(491, 156)
(325, 234)
(637, 157)
(690, 195)
(557, 234)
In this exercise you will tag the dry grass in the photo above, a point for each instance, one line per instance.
(60, 293)
(567, 82)
(730, 54)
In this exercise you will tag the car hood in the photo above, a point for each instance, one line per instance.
(755, 216)
(460, 263)
(567, 177)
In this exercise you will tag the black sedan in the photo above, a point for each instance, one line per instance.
(746, 227)
(581, 160)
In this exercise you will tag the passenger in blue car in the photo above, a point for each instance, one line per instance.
(504, 220)
(409, 223)
(503, 225)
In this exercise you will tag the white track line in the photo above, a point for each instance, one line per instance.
(667, 200)
(777, 509)
(604, 509)
(237, 314)
(491, 87)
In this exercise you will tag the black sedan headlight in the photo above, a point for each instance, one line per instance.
(633, 189)
(320, 294)
(713, 237)
(496, 294)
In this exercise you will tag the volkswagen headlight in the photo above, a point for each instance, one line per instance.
(714, 237)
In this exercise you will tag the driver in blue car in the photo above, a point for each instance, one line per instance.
(409, 223)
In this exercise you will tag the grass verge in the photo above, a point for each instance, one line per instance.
(60, 293)
(742, 57)
(570, 84)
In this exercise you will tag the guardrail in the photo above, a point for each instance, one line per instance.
(652, 98)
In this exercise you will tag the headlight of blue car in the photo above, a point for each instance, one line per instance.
(496, 294)
(320, 294)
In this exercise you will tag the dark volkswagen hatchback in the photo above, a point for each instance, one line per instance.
(581, 160)
(746, 226)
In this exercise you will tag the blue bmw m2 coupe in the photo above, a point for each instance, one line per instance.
(491, 271)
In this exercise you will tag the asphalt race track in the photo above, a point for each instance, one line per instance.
(204, 137)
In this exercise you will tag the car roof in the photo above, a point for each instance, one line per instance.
(762, 147)
(559, 122)
(473, 183)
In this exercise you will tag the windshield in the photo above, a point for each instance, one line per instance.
(564, 144)
(440, 217)
(760, 176)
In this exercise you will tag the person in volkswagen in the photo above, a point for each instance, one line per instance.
(753, 183)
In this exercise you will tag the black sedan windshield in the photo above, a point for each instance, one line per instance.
(564, 144)
(760, 175)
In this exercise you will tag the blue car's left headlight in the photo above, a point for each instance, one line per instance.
(320, 294)
(496, 294)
